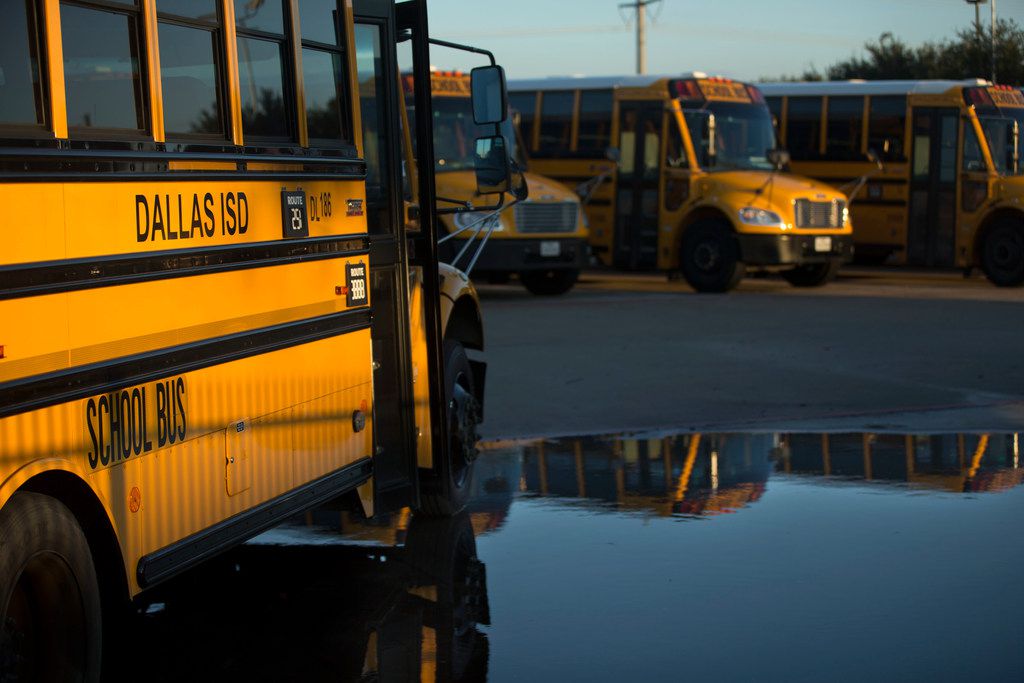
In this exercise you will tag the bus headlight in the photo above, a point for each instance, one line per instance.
(474, 220)
(752, 216)
(846, 216)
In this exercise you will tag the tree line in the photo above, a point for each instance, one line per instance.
(967, 55)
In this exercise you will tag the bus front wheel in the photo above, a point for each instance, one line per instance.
(549, 282)
(445, 490)
(711, 257)
(812, 274)
(1002, 254)
(49, 595)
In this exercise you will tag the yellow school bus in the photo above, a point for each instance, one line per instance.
(950, 191)
(216, 310)
(681, 174)
(543, 240)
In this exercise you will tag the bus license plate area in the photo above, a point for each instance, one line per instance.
(550, 248)
(822, 244)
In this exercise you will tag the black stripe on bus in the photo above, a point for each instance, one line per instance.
(878, 202)
(598, 202)
(175, 176)
(53, 277)
(52, 388)
(31, 164)
(166, 562)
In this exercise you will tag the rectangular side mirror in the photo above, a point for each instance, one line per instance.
(490, 100)
(492, 167)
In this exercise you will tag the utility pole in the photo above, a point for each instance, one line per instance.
(640, 7)
(993, 42)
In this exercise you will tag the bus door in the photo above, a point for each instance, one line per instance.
(931, 233)
(395, 466)
(636, 191)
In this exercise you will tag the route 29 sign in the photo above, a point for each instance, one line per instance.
(293, 214)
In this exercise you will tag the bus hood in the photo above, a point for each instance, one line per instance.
(462, 185)
(783, 188)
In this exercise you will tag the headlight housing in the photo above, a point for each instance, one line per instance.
(478, 219)
(753, 216)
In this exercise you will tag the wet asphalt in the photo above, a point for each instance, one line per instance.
(878, 350)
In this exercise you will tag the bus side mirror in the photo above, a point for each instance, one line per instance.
(778, 158)
(520, 190)
(874, 158)
(490, 101)
(613, 154)
(492, 165)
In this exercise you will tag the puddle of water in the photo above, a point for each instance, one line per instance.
(738, 557)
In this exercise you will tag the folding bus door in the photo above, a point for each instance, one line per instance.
(931, 233)
(394, 428)
(636, 192)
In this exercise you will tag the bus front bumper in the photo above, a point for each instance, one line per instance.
(794, 248)
(515, 255)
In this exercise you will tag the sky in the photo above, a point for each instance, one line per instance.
(743, 39)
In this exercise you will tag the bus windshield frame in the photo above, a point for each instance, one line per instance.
(738, 127)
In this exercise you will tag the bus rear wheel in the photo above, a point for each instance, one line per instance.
(49, 594)
(445, 490)
(812, 274)
(549, 282)
(711, 257)
(1002, 254)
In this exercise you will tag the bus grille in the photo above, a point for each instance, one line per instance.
(819, 214)
(546, 216)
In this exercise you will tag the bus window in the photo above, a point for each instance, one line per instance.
(803, 127)
(845, 119)
(556, 123)
(775, 107)
(887, 121)
(973, 159)
(595, 120)
(188, 69)
(526, 104)
(322, 74)
(370, 74)
(675, 150)
(102, 68)
(21, 96)
(261, 69)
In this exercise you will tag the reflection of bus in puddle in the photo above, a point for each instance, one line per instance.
(950, 462)
(690, 474)
(397, 597)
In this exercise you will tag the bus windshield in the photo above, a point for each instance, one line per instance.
(743, 136)
(455, 134)
(999, 136)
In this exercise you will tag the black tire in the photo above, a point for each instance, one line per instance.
(445, 490)
(549, 282)
(49, 594)
(812, 274)
(1002, 254)
(710, 257)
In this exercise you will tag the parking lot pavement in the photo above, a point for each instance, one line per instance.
(880, 350)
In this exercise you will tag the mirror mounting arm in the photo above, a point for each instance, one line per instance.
(464, 48)
(464, 204)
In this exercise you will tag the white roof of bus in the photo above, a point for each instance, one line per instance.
(857, 87)
(595, 82)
